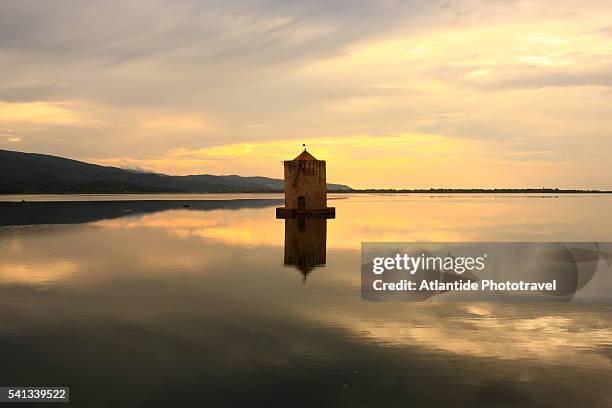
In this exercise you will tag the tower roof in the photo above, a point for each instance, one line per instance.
(304, 156)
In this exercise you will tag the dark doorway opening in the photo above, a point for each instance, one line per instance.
(301, 203)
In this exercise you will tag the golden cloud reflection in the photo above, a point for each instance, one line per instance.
(403, 218)
(246, 227)
(37, 273)
(156, 266)
(505, 332)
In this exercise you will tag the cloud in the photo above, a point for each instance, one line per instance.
(110, 79)
(10, 138)
(519, 77)
(27, 93)
(40, 112)
(178, 123)
(599, 79)
(193, 31)
(607, 30)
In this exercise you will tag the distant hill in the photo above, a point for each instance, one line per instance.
(31, 173)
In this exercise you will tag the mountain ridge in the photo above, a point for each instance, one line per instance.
(36, 173)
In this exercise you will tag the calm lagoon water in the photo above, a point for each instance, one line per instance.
(149, 303)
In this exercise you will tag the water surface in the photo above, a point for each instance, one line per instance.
(211, 301)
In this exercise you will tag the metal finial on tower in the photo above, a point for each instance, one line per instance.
(304, 144)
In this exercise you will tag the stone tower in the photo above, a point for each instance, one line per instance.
(305, 188)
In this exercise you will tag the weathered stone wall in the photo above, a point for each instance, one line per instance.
(313, 187)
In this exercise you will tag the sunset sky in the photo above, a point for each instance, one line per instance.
(392, 93)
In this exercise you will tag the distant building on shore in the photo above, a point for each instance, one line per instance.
(305, 188)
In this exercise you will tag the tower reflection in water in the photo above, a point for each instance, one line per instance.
(305, 243)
